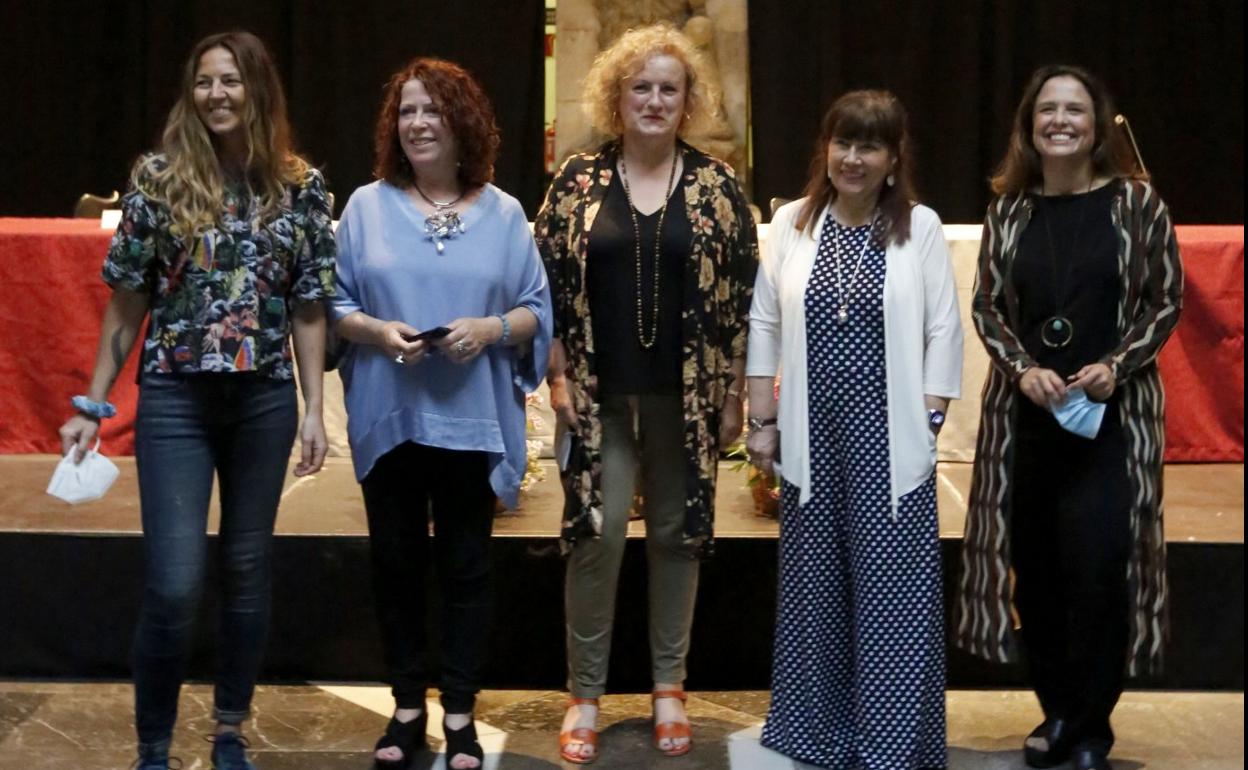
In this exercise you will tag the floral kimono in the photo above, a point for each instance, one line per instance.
(718, 281)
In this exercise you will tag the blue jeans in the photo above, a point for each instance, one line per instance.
(242, 427)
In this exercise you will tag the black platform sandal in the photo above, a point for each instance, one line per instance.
(463, 741)
(407, 737)
(1056, 734)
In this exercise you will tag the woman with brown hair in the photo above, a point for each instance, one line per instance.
(855, 303)
(442, 295)
(1079, 285)
(225, 239)
(651, 253)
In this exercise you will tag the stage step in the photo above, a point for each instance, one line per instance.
(72, 577)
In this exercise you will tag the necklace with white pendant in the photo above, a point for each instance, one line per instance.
(444, 223)
(844, 291)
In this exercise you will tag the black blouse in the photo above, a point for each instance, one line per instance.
(622, 365)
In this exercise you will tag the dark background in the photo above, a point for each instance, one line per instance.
(86, 86)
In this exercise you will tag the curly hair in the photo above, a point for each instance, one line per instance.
(864, 116)
(466, 110)
(627, 56)
(190, 181)
(1021, 168)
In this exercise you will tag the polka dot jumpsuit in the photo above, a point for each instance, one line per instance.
(858, 671)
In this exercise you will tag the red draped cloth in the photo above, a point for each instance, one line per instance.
(1202, 366)
(54, 299)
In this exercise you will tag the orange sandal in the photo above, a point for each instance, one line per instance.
(586, 736)
(671, 730)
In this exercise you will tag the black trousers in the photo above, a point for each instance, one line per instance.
(1071, 542)
(399, 492)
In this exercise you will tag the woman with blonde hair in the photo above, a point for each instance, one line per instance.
(647, 364)
(225, 239)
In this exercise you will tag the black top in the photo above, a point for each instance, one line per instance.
(1084, 248)
(622, 365)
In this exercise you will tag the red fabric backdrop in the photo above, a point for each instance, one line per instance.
(54, 298)
(1203, 363)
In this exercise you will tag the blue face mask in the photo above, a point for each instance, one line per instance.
(1078, 414)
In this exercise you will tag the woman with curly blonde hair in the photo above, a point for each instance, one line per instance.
(648, 360)
(225, 239)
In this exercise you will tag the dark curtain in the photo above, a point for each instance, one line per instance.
(1176, 70)
(87, 86)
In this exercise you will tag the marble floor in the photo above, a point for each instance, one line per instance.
(59, 726)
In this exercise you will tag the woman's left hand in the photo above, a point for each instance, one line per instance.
(314, 444)
(1096, 380)
(731, 421)
(468, 337)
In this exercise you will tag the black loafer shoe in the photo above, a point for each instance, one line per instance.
(1056, 734)
(1090, 759)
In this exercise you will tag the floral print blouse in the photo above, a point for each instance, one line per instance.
(221, 302)
(719, 282)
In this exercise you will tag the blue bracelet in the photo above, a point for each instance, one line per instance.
(503, 340)
(100, 410)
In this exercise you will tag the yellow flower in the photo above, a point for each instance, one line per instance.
(708, 176)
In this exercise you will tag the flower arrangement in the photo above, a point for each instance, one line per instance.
(533, 470)
(764, 487)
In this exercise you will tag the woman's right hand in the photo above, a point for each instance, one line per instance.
(78, 433)
(392, 339)
(561, 401)
(1043, 386)
(760, 447)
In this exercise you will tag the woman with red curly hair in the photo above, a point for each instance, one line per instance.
(443, 299)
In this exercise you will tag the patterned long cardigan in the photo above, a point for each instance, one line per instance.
(718, 285)
(1148, 309)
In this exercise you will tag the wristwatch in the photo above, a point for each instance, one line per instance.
(935, 420)
(757, 423)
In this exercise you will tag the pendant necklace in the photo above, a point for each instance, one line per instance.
(658, 241)
(444, 223)
(1058, 330)
(845, 290)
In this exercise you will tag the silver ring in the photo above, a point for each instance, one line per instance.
(399, 359)
(460, 347)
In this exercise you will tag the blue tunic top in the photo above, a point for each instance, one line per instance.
(389, 269)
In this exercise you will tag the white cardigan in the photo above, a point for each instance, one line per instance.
(922, 341)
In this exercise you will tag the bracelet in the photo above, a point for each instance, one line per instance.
(100, 410)
(503, 340)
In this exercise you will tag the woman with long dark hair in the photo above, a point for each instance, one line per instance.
(1078, 287)
(225, 239)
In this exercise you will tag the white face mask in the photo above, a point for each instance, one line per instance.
(80, 482)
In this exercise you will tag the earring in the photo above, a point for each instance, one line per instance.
(891, 180)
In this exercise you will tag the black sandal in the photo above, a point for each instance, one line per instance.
(407, 737)
(463, 741)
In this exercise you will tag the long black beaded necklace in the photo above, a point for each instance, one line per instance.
(658, 244)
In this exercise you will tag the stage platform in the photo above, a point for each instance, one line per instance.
(77, 574)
